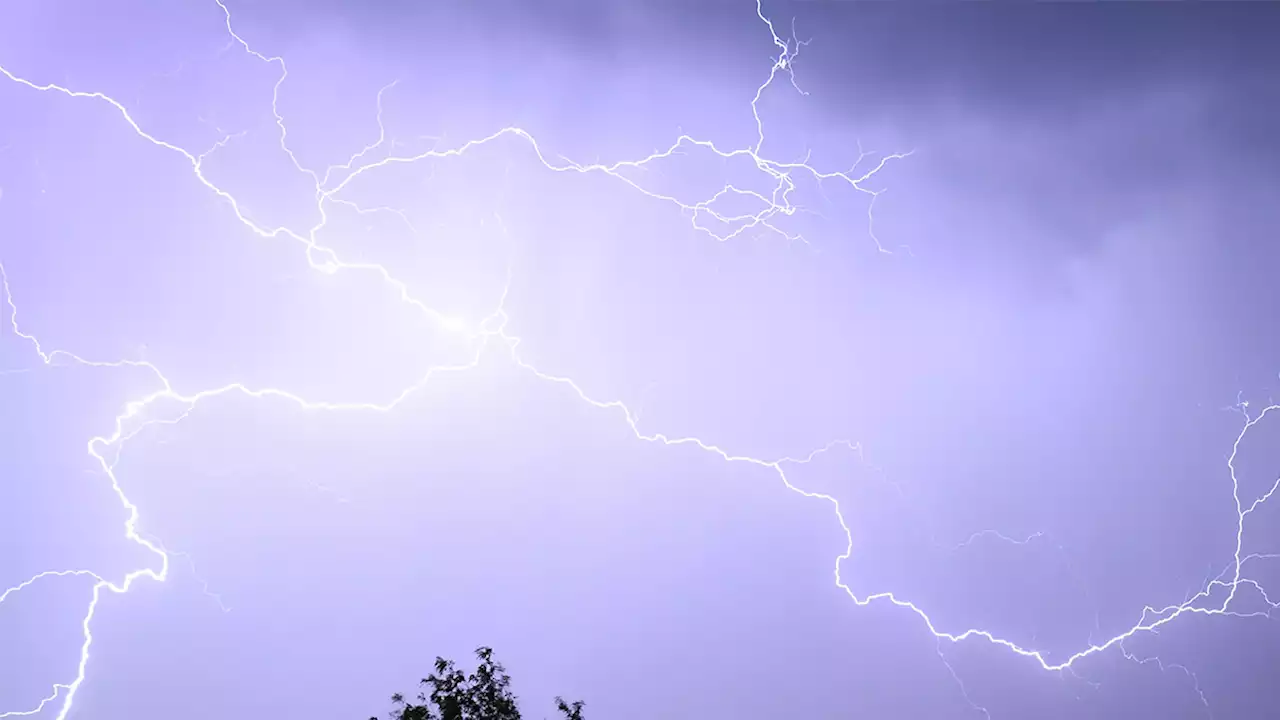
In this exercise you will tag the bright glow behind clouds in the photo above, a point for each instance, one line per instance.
(528, 256)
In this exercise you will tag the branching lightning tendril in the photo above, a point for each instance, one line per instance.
(1218, 596)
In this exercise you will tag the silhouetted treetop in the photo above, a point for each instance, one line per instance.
(485, 694)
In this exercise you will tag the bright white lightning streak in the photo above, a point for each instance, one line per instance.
(777, 203)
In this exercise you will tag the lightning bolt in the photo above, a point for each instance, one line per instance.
(1218, 596)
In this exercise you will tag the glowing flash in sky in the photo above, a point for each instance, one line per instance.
(1224, 594)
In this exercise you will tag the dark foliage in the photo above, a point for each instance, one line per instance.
(485, 694)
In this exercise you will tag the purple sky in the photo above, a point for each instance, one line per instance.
(399, 407)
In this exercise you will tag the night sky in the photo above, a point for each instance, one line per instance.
(809, 360)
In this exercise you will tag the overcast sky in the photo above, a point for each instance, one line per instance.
(1031, 362)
